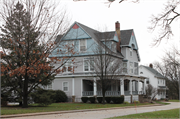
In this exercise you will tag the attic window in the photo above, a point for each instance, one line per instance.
(82, 45)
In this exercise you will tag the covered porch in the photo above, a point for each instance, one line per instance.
(126, 86)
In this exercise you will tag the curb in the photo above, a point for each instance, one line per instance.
(71, 111)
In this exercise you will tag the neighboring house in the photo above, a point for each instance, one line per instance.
(154, 78)
(124, 47)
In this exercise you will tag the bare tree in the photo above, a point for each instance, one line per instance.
(151, 91)
(106, 64)
(163, 21)
(170, 68)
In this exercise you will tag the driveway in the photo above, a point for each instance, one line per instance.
(101, 114)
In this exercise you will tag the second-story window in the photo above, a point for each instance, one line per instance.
(135, 68)
(88, 64)
(68, 67)
(124, 67)
(82, 45)
(131, 67)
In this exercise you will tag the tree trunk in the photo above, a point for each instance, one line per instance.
(25, 101)
(20, 103)
(25, 94)
(103, 93)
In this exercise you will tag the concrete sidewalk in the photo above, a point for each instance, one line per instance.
(71, 111)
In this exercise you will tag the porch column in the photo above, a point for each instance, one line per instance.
(73, 94)
(122, 86)
(138, 86)
(95, 87)
(144, 86)
(73, 87)
(130, 87)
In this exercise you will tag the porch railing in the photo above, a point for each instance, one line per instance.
(88, 93)
(109, 93)
(127, 92)
(99, 93)
(135, 92)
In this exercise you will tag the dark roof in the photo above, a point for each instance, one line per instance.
(155, 72)
(125, 36)
(105, 35)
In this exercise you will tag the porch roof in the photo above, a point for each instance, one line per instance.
(90, 74)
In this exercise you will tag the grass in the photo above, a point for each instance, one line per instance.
(174, 100)
(173, 113)
(163, 103)
(59, 107)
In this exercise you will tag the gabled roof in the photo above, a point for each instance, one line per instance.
(126, 36)
(98, 36)
(155, 72)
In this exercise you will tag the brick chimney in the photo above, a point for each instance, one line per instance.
(117, 26)
(151, 65)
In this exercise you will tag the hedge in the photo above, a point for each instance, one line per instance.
(100, 99)
(84, 99)
(108, 99)
(92, 99)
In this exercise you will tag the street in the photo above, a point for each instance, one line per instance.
(101, 114)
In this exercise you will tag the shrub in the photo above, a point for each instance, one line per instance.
(84, 99)
(108, 99)
(137, 102)
(122, 99)
(92, 99)
(60, 96)
(42, 97)
(118, 100)
(100, 99)
(126, 102)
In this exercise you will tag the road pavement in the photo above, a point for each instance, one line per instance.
(101, 114)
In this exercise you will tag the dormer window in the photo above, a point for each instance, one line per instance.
(82, 45)
(131, 52)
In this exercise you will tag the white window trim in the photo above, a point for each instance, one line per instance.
(126, 68)
(67, 86)
(137, 68)
(130, 67)
(65, 65)
(80, 45)
(89, 67)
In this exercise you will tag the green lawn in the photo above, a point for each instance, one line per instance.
(59, 107)
(164, 103)
(173, 113)
(174, 100)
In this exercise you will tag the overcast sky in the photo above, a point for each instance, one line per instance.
(97, 15)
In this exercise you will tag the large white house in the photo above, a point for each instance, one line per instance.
(154, 78)
(124, 47)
